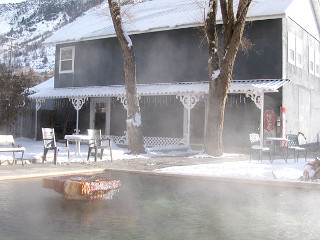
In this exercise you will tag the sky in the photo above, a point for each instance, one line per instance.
(10, 1)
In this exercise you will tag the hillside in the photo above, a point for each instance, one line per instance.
(31, 22)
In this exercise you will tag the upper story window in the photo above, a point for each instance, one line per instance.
(299, 60)
(317, 63)
(291, 48)
(66, 60)
(311, 61)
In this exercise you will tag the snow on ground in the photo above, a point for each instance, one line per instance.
(34, 150)
(234, 166)
(279, 170)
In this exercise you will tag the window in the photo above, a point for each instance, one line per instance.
(311, 60)
(317, 63)
(291, 48)
(66, 60)
(299, 60)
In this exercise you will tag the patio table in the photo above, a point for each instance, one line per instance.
(276, 142)
(78, 138)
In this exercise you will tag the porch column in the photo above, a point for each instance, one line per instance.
(258, 98)
(92, 113)
(108, 116)
(189, 101)
(206, 109)
(77, 104)
(39, 102)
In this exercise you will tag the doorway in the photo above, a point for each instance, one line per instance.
(100, 121)
(100, 114)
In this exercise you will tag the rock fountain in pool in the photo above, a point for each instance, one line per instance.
(83, 187)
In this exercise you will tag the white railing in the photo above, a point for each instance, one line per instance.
(150, 141)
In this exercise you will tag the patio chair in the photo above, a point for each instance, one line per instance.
(49, 143)
(256, 148)
(98, 142)
(294, 148)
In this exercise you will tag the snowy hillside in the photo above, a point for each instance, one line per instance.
(31, 22)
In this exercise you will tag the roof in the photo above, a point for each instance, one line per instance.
(239, 86)
(160, 15)
(44, 85)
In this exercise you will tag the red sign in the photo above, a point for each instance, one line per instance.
(269, 120)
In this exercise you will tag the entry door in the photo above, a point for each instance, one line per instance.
(100, 114)
(100, 121)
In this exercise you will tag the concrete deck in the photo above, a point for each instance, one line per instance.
(11, 172)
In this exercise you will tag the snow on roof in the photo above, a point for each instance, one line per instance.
(155, 15)
(239, 86)
(48, 84)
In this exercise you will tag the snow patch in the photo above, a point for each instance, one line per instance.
(135, 121)
(127, 38)
(4, 27)
(215, 74)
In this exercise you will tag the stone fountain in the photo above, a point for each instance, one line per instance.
(83, 187)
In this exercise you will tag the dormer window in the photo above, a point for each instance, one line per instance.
(67, 60)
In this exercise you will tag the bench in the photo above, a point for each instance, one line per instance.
(7, 144)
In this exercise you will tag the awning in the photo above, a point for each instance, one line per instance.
(159, 89)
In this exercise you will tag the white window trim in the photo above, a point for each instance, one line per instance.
(73, 50)
(311, 58)
(299, 52)
(291, 47)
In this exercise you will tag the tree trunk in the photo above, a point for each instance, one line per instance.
(133, 109)
(220, 78)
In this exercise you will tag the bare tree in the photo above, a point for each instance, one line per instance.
(220, 73)
(133, 109)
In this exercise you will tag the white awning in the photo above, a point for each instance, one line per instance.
(159, 89)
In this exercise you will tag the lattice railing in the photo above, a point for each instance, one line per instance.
(151, 141)
(162, 141)
(121, 140)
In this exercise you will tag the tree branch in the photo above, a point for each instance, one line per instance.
(212, 37)
(224, 14)
(235, 39)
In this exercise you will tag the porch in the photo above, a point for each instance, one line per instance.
(188, 94)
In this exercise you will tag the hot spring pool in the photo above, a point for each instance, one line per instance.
(156, 207)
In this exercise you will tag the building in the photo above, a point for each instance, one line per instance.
(275, 87)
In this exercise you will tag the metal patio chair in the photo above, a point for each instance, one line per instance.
(49, 143)
(98, 142)
(256, 148)
(294, 148)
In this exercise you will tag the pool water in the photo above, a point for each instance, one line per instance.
(157, 207)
